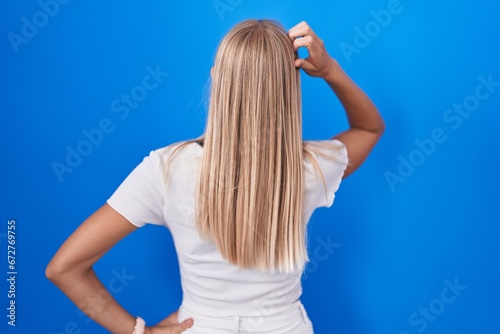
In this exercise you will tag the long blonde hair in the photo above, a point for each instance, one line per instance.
(250, 200)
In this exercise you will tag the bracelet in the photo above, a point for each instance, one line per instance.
(139, 326)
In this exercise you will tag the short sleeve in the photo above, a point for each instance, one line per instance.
(139, 198)
(332, 161)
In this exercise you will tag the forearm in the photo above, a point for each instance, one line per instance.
(361, 112)
(88, 293)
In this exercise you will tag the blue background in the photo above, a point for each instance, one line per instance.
(396, 241)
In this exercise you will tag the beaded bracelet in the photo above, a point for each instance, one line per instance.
(139, 326)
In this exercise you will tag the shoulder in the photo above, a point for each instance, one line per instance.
(174, 159)
(329, 152)
(163, 154)
(325, 162)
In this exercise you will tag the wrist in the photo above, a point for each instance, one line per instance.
(334, 73)
(140, 326)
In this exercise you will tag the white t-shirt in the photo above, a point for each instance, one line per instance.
(210, 284)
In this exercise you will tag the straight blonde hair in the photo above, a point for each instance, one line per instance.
(250, 200)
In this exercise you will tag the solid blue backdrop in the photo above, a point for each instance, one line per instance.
(411, 242)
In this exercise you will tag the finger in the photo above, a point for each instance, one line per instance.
(305, 64)
(181, 327)
(299, 62)
(300, 30)
(171, 319)
(306, 41)
(296, 31)
(314, 46)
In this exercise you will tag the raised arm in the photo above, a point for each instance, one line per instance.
(365, 123)
(71, 271)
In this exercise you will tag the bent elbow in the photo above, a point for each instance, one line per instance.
(52, 271)
(55, 271)
(59, 271)
(382, 127)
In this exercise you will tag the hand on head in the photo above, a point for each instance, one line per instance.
(318, 63)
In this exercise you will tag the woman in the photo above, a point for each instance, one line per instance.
(237, 199)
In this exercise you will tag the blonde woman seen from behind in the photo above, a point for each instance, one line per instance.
(237, 199)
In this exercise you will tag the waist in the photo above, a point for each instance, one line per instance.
(291, 318)
(243, 300)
